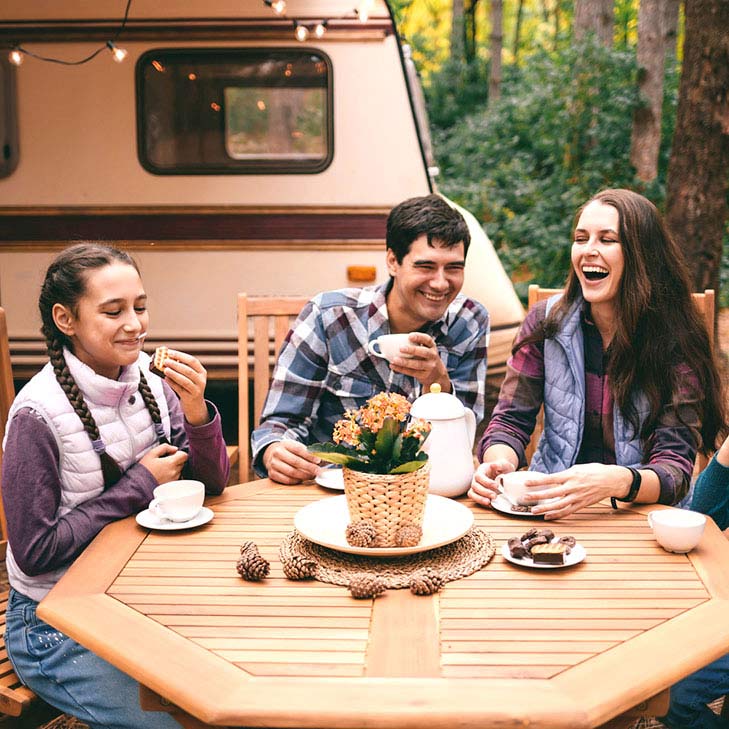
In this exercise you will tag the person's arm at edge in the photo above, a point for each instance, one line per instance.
(711, 494)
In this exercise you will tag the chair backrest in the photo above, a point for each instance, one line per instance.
(7, 395)
(268, 319)
(705, 305)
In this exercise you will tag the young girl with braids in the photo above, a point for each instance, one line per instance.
(88, 439)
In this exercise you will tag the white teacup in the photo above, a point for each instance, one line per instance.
(178, 500)
(388, 346)
(513, 486)
(677, 530)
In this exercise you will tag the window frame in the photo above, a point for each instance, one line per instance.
(10, 144)
(234, 166)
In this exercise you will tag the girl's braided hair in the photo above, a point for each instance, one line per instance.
(65, 283)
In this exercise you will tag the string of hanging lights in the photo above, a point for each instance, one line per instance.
(17, 54)
(302, 31)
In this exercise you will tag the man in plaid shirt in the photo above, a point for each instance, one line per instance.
(324, 367)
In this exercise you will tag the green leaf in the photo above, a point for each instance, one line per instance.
(320, 448)
(410, 466)
(386, 438)
(341, 458)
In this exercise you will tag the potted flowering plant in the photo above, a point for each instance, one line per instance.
(379, 437)
(386, 473)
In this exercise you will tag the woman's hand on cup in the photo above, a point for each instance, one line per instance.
(187, 377)
(484, 487)
(576, 488)
(164, 462)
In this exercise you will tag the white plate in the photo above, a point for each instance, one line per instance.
(576, 555)
(324, 522)
(149, 521)
(502, 504)
(331, 478)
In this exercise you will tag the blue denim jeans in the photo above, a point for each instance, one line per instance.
(72, 678)
(689, 698)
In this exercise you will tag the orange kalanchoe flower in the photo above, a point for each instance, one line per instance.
(377, 438)
(381, 406)
(347, 430)
(419, 428)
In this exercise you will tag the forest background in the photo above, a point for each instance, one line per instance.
(535, 105)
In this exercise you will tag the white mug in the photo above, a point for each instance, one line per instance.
(513, 486)
(178, 500)
(389, 345)
(677, 530)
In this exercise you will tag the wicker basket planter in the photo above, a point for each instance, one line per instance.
(389, 501)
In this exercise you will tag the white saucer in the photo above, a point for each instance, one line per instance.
(149, 521)
(331, 478)
(324, 522)
(577, 554)
(502, 504)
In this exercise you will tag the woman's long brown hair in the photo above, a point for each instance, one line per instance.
(658, 327)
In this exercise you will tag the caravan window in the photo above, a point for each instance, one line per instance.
(236, 111)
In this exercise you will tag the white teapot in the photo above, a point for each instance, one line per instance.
(450, 443)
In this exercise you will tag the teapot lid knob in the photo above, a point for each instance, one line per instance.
(435, 388)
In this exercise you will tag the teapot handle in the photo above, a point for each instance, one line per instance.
(470, 426)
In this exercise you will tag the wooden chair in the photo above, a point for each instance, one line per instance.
(14, 697)
(704, 303)
(269, 318)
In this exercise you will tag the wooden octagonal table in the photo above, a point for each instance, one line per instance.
(504, 647)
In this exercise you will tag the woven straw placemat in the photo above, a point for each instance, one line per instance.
(452, 561)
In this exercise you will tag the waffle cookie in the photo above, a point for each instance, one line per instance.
(552, 553)
(159, 361)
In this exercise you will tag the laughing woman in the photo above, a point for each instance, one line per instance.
(623, 366)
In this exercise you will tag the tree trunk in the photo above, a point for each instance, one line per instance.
(517, 29)
(594, 16)
(670, 27)
(557, 13)
(645, 140)
(497, 41)
(696, 200)
(470, 29)
(457, 31)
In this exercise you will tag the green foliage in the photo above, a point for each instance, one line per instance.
(388, 451)
(560, 132)
(458, 88)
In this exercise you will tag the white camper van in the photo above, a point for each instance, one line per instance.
(238, 145)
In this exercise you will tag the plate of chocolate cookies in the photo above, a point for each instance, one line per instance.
(542, 549)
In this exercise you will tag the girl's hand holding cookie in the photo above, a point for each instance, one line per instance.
(187, 377)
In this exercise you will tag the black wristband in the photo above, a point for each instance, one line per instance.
(634, 488)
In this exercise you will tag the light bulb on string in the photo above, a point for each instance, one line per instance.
(15, 56)
(301, 32)
(278, 6)
(119, 54)
(363, 10)
(320, 29)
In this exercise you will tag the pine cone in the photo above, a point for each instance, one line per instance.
(426, 583)
(299, 568)
(408, 535)
(361, 534)
(365, 586)
(251, 565)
